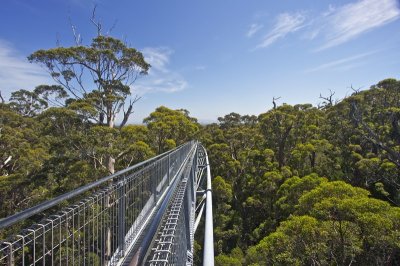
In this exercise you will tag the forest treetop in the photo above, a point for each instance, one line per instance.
(295, 185)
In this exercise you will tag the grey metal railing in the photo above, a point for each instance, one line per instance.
(174, 240)
(101, 228)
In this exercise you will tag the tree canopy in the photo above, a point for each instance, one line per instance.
(296, 185)
(110, 65)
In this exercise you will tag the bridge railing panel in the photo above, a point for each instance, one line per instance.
(98, 229)
(174, 240)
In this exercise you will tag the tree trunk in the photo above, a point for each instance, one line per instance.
(111, 164)
(111, 170)
(111, 160)
(281, 147)
(281, 154)
(313, 159)
(109, 197)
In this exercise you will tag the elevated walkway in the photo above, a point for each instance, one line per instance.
(143, 215)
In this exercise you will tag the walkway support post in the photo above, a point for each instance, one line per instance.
(208, 255)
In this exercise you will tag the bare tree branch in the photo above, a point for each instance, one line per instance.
(129, 111)
(1, 98)
(4, 164)
(112, 27)
(355, 91)
(97, 24)
(274, 101)
(77, 36)
(328, 100)
(58, 41)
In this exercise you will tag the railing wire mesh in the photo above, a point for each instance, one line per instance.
(97, 229)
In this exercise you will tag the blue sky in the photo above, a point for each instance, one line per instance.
(215, 57)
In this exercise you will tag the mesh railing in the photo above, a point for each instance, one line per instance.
(173, 243)
(98, 229)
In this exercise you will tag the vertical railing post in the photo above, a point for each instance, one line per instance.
(193, 178)
(187, 222)
(168, 170)
(154, 182)
(208, 250)
(11, 253)
(121, 217)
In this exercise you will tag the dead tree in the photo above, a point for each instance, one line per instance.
(274, 101)
(355, 91)
(328, 100)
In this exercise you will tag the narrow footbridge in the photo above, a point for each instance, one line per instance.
(146, 214)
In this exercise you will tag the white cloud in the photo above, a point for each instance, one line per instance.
(335, 25)
(17, 73)
(345, 23)
(158, 58)
(285, 24)
(254, 28)
(160, 78)
(341, 64)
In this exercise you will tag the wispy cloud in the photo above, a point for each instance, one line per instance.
(254, 28)
(341, 64)
(335, 25)
(160, 78)
(16, 72)
(285, 24)
(158, 58)
(349, 21)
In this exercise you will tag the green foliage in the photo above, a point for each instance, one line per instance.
(297, 241)
(333, 191)
(108, 62)
(296, 185)
(26, 103)
(322, 170)
(291, 191)
(235, 258)
(168, 128)
(339, 224)
(98, 79)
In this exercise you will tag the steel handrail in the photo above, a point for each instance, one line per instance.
(10, 220)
